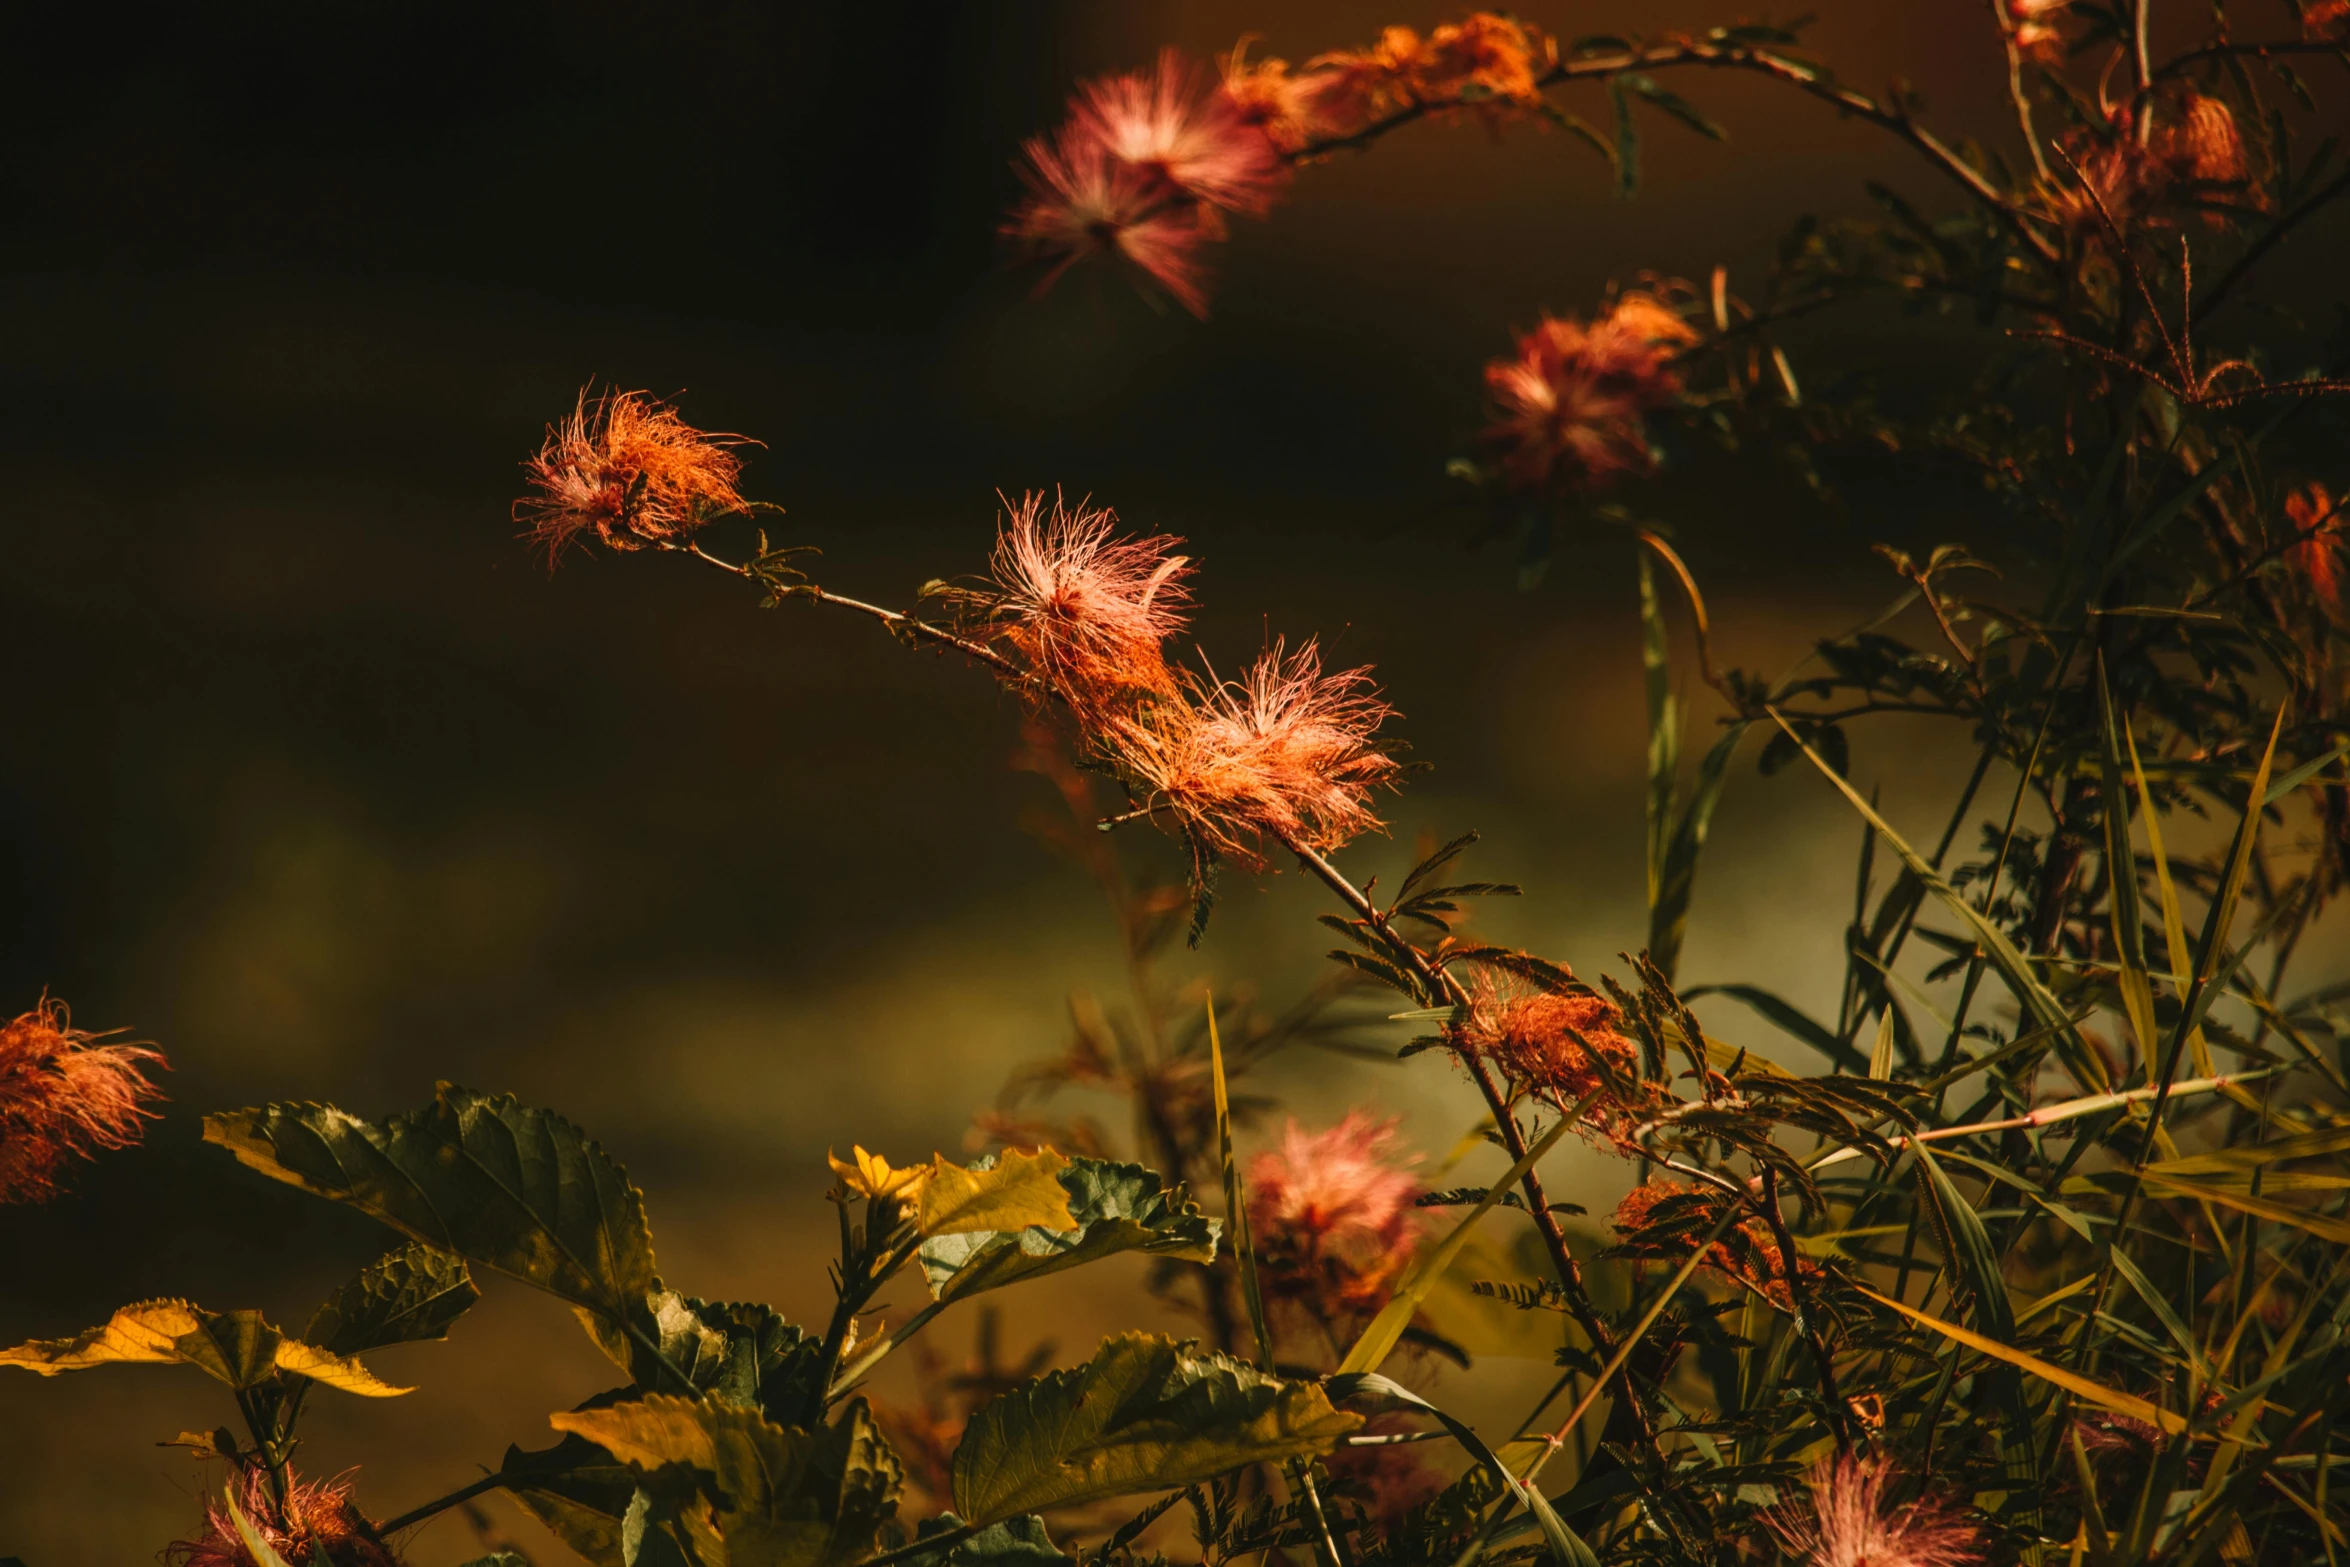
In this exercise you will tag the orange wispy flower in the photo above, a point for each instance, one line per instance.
(1849, 1522)
(320, 1524)
(1748, 1254)
(64, 1095)
(1570, 406)
(626, 469)
(1086, 612)
(1286, 753)
(1548, 1041)
(1486, 63)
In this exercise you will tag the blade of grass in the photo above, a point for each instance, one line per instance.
(1235, 1212)
(1386, 1329)
(2095, 1392)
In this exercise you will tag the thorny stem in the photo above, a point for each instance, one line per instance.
(1804, 78)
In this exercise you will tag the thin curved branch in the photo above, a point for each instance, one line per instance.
(1801, 75)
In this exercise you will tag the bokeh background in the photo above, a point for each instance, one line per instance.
(320, 780)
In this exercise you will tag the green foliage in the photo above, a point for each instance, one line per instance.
(236, 1347)
(403, 1297)
(1118, 1208)
(1145, 1414)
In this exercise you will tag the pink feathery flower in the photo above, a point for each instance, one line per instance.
(63, 1095)
(1570, 405)
(1849, 1523)
(1331, 1213)
(1087, 612)
(1177, 124)
(321, 1524)
(1083, 202)
(1286, 752)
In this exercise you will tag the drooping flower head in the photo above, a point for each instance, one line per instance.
(1087, 612)
(2318, 556)
(64, 1095)
(626, 469)
(1570, 405)
(1285, 753)
(321, 1524)
(1331, 1214)
(1142, 171)
(1850, 1523)
(1565, 1045)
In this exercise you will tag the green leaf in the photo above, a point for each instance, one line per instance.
(782, 1497)
(403, 1297)
(1145, 1414)
(741, 1352)
(579, 1491)
(1627, 148)
(1974, 1260)
(2095, 1392)
(1664, 734)
(1675, 105)
(237, 1347)
(519, 1190)
(1118, 1208)
(1014, 1542)
(1235, 1204)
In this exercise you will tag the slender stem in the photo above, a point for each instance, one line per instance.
(1804, 77)
(896, 620)
(2015, 88)
(1839, 1417)
(440, 1504)
(852, 1373)
(941, 1542)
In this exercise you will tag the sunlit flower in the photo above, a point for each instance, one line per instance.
(1087, 612)
(625, 468)
(320, 1524)
(2322, 19)
(1544, 1040)
(1288, 107)
(2318, 557)
(1487, 63)
(2202, 145)
(1174, 124)
(1850, 1523)
(1331, 1214)
(1285, 752)
(64, 1095)
(1570, 406)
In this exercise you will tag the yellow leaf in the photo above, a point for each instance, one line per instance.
(2095, 1392)
(870, 1176)
(1023, 1191)
(2321, 1225)
(238, 1347)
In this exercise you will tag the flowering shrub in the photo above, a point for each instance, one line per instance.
(2034, 1248)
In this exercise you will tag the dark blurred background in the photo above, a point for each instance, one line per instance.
(323, 783)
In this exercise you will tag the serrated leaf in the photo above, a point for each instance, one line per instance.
(1145, 1414)
(1019, 1191)
(783, 1497)
(1015, 1542)
(238, 1347)
(739, 1351)
(579, 1491)
(519, 1190)
(403, 1297)
(1117, 1208)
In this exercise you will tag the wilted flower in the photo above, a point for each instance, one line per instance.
(627, 469)
(2201, 144)
(64, 1095)
(1546, 1040)
(1571, 404)
(2120, 181)
(1485, 62)
(1850, 1524)
(1088, 613)
(1664, 1219)
(320, 1524)
(1331, 1213)
(1142, 170)
(1285, 752)
(2318, 556)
